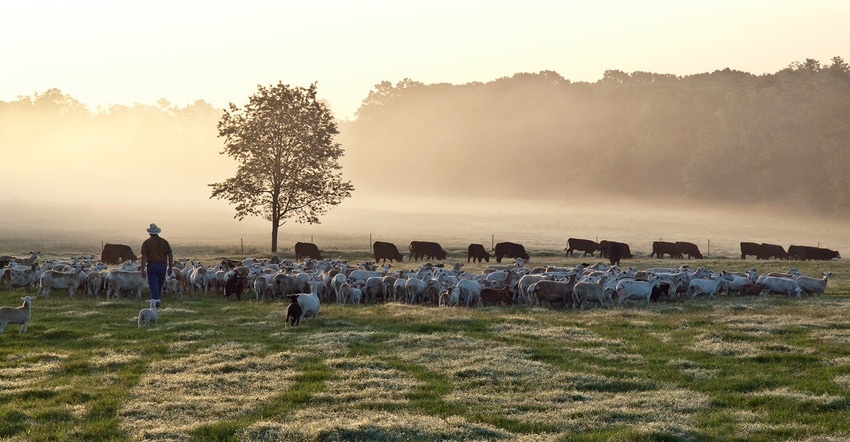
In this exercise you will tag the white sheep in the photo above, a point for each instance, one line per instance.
(148, 315)
(309, 302)
(813, 285)
(16, 315)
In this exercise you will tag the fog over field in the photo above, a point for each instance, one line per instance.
(539, 225)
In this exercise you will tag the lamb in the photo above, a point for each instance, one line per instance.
(343, 293)
(356, 295)
(16, 315)
(449, 297)
(294, 311)
(148, 315)
(493, 296)
(263, 287)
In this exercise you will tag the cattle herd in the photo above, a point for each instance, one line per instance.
(517, 282)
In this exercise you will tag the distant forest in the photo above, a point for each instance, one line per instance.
(724, 136)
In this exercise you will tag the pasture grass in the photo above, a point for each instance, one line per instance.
(764, 368)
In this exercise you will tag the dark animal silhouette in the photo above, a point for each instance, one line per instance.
(293, 311)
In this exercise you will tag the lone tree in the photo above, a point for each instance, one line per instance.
(283, 141)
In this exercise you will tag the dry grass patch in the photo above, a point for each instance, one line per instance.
(364, 383)
(491, 378)
(839, 336)
(694, 370)
(765, 324)
(329, 344)
(111, 357)
(557, 334)
(716, 345)
(842, 381)
(609, 355)
(838, 361)
(29, 369)
(748, 429)
(221, 382)
(419, 314)
(320, 425)
(797, 396)
(80, 314)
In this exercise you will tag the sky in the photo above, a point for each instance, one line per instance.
(108, 52)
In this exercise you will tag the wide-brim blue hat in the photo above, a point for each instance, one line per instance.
(154, 229)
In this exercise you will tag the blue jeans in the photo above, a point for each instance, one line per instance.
(156, 279)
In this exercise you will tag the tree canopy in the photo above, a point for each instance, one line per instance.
(288, 167)
(724, 136)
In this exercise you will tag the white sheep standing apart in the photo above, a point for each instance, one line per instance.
(148, 315)
(16, 315)
(309, 302)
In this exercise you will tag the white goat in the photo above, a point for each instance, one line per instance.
(148, 315)
(16, 315)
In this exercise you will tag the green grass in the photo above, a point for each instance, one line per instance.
(755, 369)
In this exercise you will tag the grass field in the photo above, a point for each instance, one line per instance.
(764, 368)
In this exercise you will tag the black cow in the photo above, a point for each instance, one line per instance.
(477, 252)
(774, 251)
(582, 245)
(661, 248)
(116, 254)
(605, 247)
(687, 248)
(306, 250)
(796, 252)
(617, 251)
(511, 250)
(751, 249)
(386, 250)
(805, 253)
(426, 250)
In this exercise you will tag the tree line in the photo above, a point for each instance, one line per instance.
(725, 136)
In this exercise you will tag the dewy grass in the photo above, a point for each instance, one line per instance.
(225, 381)
(763, 368)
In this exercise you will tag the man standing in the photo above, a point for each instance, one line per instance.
(157, 260)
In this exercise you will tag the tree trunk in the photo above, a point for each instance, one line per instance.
(275, 225)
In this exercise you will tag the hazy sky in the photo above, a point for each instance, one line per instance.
(124, 52)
